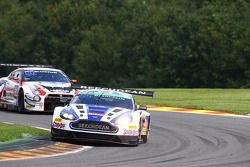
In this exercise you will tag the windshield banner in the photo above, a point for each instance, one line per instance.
(130, 91)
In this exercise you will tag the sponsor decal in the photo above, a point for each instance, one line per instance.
(58, 120)
(95, 113)
(93, 126)
(108, 94)
(44, 71)
(135, 92)
(59, 90)
(145, 125)
(58, 125)
(130, 132)
(28, 106)
(144, 121)
(133, 127)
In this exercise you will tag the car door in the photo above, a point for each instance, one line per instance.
(12, 86)
(16, 86)
(2, 88)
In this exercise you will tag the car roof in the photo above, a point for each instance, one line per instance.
(38, 68)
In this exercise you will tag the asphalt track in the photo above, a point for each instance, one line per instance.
(176, 140)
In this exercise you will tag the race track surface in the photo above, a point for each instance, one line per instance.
(176, 140)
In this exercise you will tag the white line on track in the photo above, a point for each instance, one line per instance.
(8, 123)
(40, 128)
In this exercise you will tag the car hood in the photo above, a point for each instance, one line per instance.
(97, 112)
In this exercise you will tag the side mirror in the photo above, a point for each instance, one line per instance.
(142, 107)
(73, 81)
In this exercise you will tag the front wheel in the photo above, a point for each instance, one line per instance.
(144, 138)
(20, 103)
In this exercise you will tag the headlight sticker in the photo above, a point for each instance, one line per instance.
(133, 127)
(68, 114)
(130, 132)
(123, 119)
(58, 125)
(58, 120)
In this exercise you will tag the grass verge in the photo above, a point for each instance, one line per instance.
(228, 100)
(14, 131)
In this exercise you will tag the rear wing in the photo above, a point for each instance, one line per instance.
(27, 65)
(129, 91)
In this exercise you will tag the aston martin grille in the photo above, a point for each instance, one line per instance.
(93, 125)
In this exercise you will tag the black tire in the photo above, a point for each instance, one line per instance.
(144, 138)
(139, 136)
(20, 103)
(137, 142)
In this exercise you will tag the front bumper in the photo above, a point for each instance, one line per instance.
(54, 100)
(83, 136)
(47, 103)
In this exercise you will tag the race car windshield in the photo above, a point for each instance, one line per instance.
(104, 100)
(45, 75)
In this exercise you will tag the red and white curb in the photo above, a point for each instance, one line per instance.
(56, 149)
(52, 150)
(194, 111)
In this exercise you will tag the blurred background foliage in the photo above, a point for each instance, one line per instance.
(132, 43)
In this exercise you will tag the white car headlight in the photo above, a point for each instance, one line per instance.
(37, 98)
(68, 114)
(123, 120)
(35, 92)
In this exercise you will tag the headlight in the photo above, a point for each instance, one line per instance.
(35, 91)
(68, 114)
(37, 98)
(124, 119)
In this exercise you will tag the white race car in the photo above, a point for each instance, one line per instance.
(102, 115)
(35, 88)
